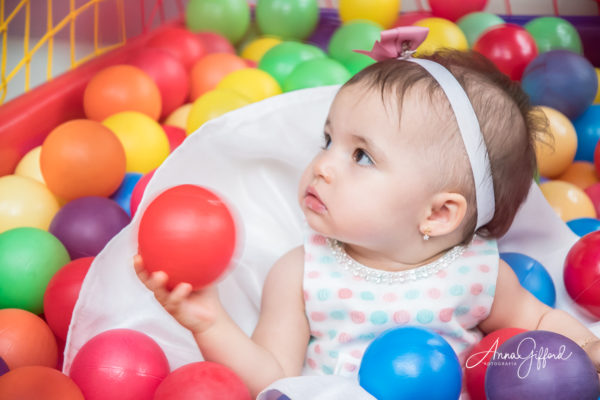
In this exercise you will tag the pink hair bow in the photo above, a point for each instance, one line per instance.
(399, 42)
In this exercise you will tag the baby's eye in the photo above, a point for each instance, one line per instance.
(362, 158)
(326, 141)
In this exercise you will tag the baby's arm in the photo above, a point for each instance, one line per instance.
(514, 306)
(278, 345)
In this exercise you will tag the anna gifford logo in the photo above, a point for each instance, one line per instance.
(526, 356)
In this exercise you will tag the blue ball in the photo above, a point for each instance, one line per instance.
(410, 363)
(532, 276)
(123, 194)
(587, 127)
(562, 80)
(583, 226)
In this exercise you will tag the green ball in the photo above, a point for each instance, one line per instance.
(287, 19)
(280, 60)
(475, 23)
(316, 72)
(29, 258)
(229, 18)
(355, 35)
(356, 65)
(554, 33)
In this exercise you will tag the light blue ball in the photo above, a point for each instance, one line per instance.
(532, 276)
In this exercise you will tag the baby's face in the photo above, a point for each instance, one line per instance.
(368, 186)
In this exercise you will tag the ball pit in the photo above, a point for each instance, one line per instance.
(580, 173)
(38, 382)
(210, 70)
(182, 44)
(556, 151)
(316, 72)
(587, 127)
(257, 48)
(281, 59)
(123, 194)
(533, 276)
(442, 33)
(213, 104)
(554, 33)
(475, 23)
(252, 83)
(357, 35)
(29, 166)
(3, 367)
(593, 192)
(215, 43)
(382, 12)
(229, 18)
(287, 19)
(176, 136)
(568, 200)
(179, 117)
(138, 192)
(583, 226)
(582, 273)
(455, 9)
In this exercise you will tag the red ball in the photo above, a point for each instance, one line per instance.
(168, 73)
(61, 295)
(214, 381)
(189, 233)
(479, 357)
(582, 272)
(215, 43)
(597, 158)
(183, 44)
(37, 382)
(119, 364)
(593, 193)
(175, 134)
(410, 18)
(454, 9)
(138, 192)
(510, 47)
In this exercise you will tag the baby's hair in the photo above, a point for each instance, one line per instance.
(505, 117)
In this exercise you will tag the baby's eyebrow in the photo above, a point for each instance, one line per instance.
(368, 143)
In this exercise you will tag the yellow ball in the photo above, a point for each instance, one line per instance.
(179, 116)
(144, 140)
(213, 104)
(29, 166)
(25, 202)
(442, 34)
(555, 152)
(258, 47)
(597, 99)
(568, 200)
(383, 12)
(252, 83)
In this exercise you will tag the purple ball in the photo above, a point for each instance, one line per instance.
(3, 367)
(541, 365)
(85, 225)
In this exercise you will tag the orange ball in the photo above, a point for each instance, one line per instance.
(82, 158)
(569, 201)
(121, 88)
(25, 339)
(210, 70)
(580, 173)
(557, 151)
(37, 382)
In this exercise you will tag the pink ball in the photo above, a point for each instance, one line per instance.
(410, 18)
(168, 73)
(119, 364)
(214, 381)
(138, 192)
(175, 134)
(593, 193)
(183, 44)
(454, 9)
(215, 43)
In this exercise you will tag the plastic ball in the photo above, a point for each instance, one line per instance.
(212, 105)
(568, 200)
(119, 364)
(189, 233)
(185, 46)
(582, 273)
(555, 154)
(85, 225)
(62, 293)
(25, 202)
(580, 173)
(25, 339)
(29, 257)
(211, 379)
(583, 226)
(38, 382)
(138, 192)
(479, 358)
(144, 140)
(215, 43)
(252, 83)
(229, 18)
(382, 12)
(532, 276)
(411, 17)
(316, 72)
(455, 9)
(123, 194)
(442, 34)
(29, 165)
(179, 117)
(407, 360)
(510, 47)
(566, 372)
(474, 24)
(209, 71)
(281, 59)
(587, 127)
(553, 33)
(562, 80)
(121, 88)
(175, 134)
(357, 35)
(3, 367)
(257, 48)
(597, 98)
(169, 74)
(287, 19)
(82, 158)
(593, 193)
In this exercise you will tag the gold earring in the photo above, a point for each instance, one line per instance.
(426, 233)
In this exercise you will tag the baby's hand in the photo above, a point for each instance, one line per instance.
(593, 351)
(197, 310)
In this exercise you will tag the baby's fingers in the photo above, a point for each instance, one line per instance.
(157, 283)
(180, 293)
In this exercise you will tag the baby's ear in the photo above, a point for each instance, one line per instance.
(447, 211)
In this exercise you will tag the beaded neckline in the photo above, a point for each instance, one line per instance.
(392, 277)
